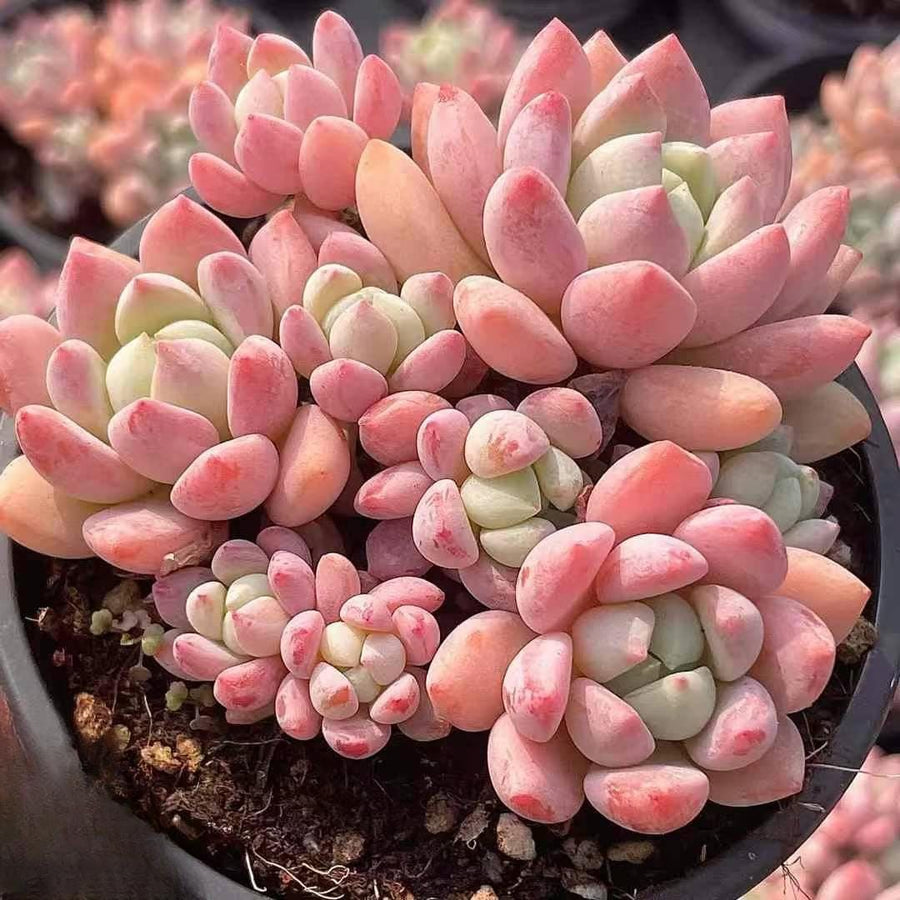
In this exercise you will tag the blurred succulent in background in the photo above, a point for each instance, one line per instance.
(857, 143)
(855, 852)
(462, 42)
(24, 289)
(880, 363)
(101, 101)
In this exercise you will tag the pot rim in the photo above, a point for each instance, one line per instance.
(727, 875)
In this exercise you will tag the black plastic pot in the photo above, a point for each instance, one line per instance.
(784, 25)
(62, 836)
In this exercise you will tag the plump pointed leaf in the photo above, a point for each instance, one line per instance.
(673, 79)
(179, 234)
(500, 323)
(553, 61)
(377, 98)
(337, 53)
(463, 161)
(541, 138)
(541, 782)
(266, 149)
(389, 187)
(160, 440)
(228, 190)
(211, 114)
(73, 460)
(554, 582)
(40, 517)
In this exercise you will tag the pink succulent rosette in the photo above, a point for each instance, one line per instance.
(309, 646)
(657, 650)
(275, 124)
(161, 379)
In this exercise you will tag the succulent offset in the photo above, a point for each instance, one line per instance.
(274, 124)
(608, 252)
(310, 647)
(102, 100)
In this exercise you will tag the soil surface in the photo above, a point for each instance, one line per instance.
(417, 821)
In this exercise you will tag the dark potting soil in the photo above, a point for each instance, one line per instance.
(19, 188)
(416, 821)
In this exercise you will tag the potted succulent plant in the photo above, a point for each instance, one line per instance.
(567, 370)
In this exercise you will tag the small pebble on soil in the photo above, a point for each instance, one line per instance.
(514, 838)
(582, 885)
(858, 643)
(484, 893)
(634, 852)
(492, 866)
(441, 814)
(349, 846)
(92, 718)
(585, 854)
(473, 825)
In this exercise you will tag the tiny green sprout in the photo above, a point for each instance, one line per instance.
(203, 694)
(151, 639)
(101, 621)
(176, 695)
(128, 640)
(139, 673)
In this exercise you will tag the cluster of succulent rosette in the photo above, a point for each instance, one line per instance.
(604, 263)
(855, 852)
(101, 100)
(310, 647)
